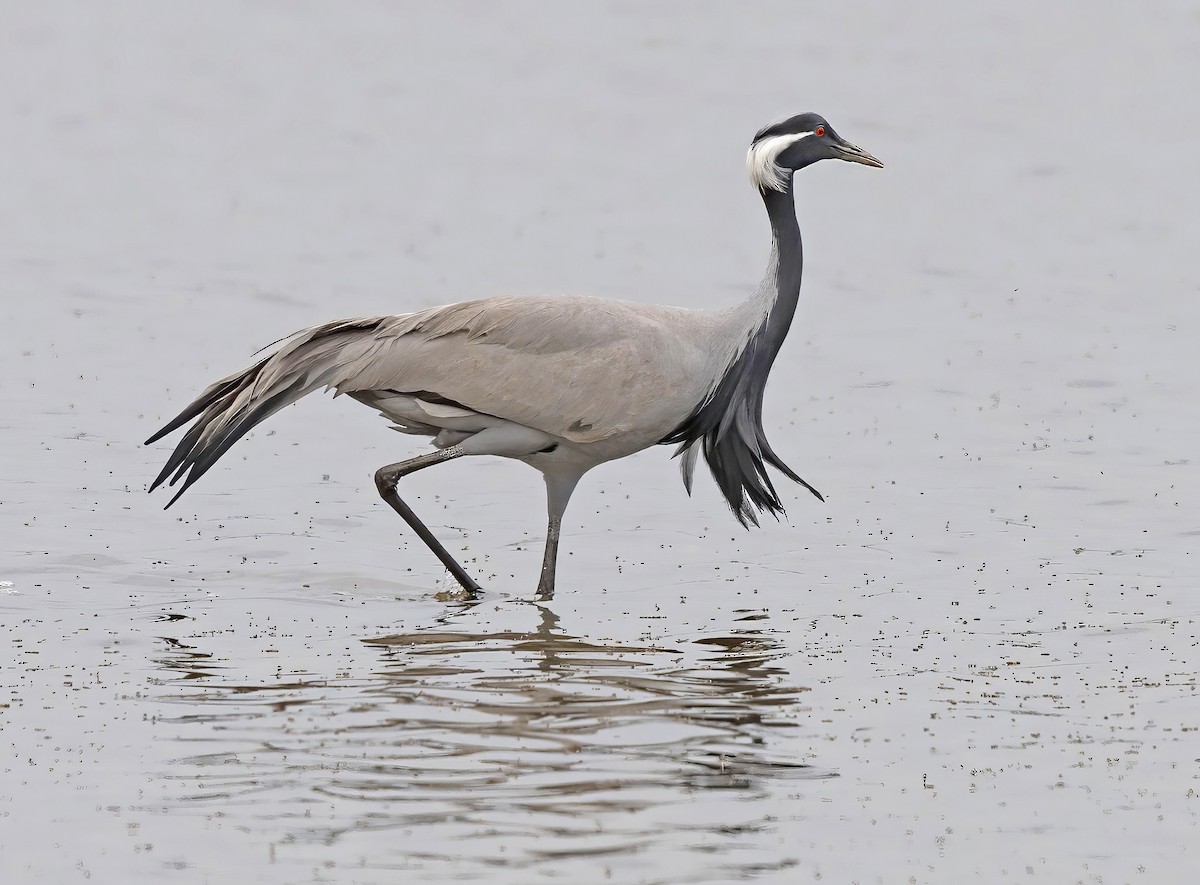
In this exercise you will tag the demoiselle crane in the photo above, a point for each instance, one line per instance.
(561, 383)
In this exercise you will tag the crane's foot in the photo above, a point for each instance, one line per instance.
(458, 595)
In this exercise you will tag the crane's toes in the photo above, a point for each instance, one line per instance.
(459, 595)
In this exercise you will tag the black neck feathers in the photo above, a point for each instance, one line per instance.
(727, 424)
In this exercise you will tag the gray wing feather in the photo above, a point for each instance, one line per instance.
(583, 369)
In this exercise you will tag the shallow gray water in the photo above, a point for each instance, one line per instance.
(976, 660)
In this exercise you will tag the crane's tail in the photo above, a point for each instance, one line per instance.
(227, 410)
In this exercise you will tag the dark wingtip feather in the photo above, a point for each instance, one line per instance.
(176, 496)
(184, 448)
(207, 408)
(219, 423)
(196, 454)
(211, 394)
(157, 482)
(159, 434)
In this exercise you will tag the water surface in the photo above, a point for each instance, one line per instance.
(976, 660)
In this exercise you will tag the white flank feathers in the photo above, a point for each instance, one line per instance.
(760, 161)
(443, 411)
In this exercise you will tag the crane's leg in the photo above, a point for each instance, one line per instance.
(558, 493)
(386, 479)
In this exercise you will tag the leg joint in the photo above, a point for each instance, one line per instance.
(385, 479)
(389, 475)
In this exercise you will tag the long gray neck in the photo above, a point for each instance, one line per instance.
(727, 424)
(780, 289)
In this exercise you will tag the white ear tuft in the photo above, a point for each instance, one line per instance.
(765, 173)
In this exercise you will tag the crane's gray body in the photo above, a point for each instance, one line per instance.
(599, 379)
(562, 383)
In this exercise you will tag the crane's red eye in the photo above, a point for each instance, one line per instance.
(820, 131)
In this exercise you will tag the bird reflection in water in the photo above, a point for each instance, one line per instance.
(529, 742)
(555, 690)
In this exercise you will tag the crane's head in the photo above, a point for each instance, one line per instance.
(782, 148)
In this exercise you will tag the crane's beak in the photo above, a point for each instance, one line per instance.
(852, 153)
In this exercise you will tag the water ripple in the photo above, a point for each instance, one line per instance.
(507, 747)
